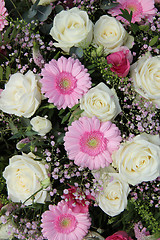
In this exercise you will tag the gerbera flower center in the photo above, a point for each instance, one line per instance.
(66, 83)
(132, 8)
(65, 223)
(93, 143)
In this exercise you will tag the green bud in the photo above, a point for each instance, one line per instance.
(45, 183)
(99, 51)
(93, 54)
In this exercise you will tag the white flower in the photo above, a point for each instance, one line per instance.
(7, 230)
(138, 160)
(146, 77)
(41, 125)
(113, 198)
(72, 28)
(102, 102)
(23, 178)
(110, 33)
(21, 95)
(43, 2)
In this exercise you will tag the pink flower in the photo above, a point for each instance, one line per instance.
(140, 9)
(3, 15)
(90, 142)
(120, 235)
(120, 63)
(60, 223)
(76, 200)
(65, 81)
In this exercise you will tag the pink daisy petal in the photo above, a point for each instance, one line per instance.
(60, 82)
(140, 9)
(92, 143)
(66, 225)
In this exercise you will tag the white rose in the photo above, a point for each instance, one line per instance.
(113, 198)
(72, 28)
(138, 160)
(146, 77)
(102, 102)
(22, 95)
(110, 33)
(43, 2)
(23, 178)
(7, 230)
(41, 125)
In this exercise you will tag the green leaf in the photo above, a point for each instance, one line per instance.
(65, 118)
(153, 41)
(30, 133)
(5, 38)
(8, 72)
(43, 12)
(76, 52)
(125, 14)
(59, 8)
(144, 27)
(78, 112)
(48, 106)
(134, 27)
(61, 111)
(75, 107)
(158, 46)
(1, 73)
(1, 39)
(31, 13)
(25, 122)
(45, 28)
(15, 136)
(13, 127)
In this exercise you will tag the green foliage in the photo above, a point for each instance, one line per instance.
(76, 52)
(37, 12)
(153, 41)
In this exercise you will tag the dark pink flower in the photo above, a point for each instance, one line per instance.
(77, 200)
(120, 63)
(120, 235)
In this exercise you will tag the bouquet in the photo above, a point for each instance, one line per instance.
(80, 119)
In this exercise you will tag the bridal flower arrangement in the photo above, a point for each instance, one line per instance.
(80, 119)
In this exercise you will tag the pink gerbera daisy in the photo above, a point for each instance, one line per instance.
(61, 223)
(140, 9)
(65, 81)
(90, 142)
(3, 15)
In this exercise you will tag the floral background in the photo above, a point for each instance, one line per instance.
(79, 119)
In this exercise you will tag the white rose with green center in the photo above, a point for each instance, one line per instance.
(113, 198)
(138, 160)
(22, 95)
(23, 178)
(110, 33)
(100, 101)
(146, 77)
(41, 125)
(72, 28)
